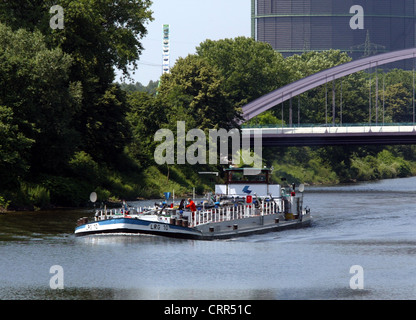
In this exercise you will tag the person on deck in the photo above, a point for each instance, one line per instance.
(191, 206)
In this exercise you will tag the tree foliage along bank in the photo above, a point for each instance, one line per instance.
(61, 113)
(66, 129)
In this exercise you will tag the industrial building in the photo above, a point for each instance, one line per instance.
(359, 27)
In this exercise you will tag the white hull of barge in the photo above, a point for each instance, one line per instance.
(207, 231)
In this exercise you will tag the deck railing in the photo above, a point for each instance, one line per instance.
(209, 215)
(234, 212)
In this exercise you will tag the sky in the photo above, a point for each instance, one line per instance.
(191, 22)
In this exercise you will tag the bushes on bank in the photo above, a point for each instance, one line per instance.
(384, 165)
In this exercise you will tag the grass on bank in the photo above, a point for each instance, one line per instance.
(114, 186)
(311, 169)
(86, 176)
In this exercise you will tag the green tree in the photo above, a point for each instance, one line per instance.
(397, 95)
(147, 115)
(398, 104)
(102, 34)
(306, 64)
(195, 92)
(133, 87)
(14, 151)
(250, 68)
(264, 119)
(107, 130)
(25, 14)
(99, 36)
(34, 82)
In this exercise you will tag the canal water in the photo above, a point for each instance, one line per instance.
(369, 225)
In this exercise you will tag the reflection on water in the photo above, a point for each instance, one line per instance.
(368, 224)
(184, 294)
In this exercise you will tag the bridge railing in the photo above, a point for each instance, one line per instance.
(329, 125)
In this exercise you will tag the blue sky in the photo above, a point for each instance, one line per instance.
(191, 22)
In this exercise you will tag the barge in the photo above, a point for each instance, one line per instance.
(244, 205)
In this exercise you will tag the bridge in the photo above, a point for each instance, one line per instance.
(332, 134)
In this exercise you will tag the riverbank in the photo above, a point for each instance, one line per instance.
(322, 176)
(311, 166)
(132, 184)
(333, 165)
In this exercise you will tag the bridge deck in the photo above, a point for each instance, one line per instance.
(324, 136)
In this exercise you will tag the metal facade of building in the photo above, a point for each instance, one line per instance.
(297, 26)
